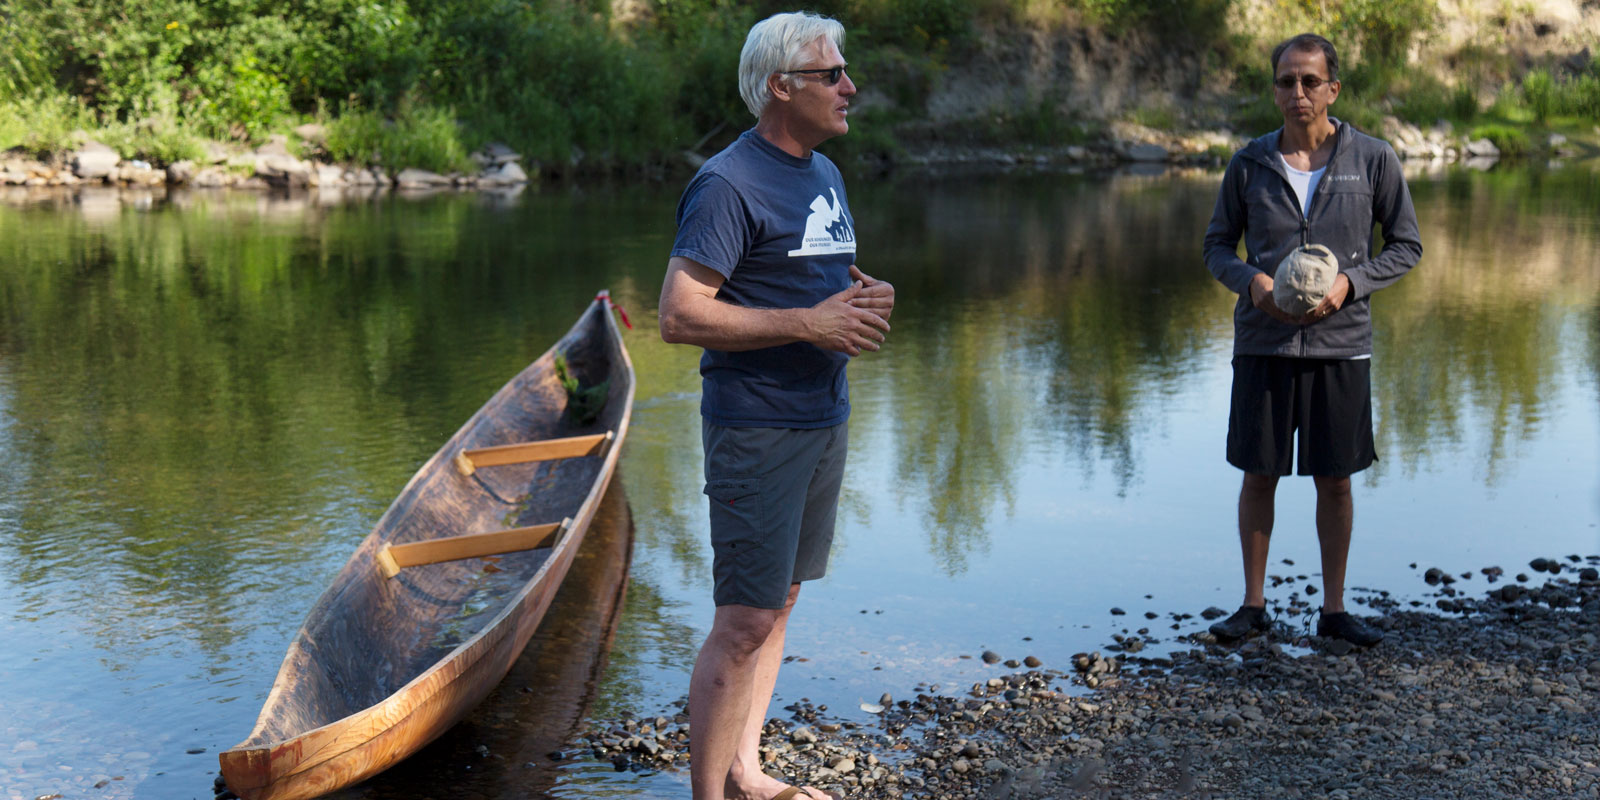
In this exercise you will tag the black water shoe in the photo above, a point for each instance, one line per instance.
(1350, 629)
(1242, 622)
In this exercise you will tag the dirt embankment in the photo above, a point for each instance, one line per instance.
(1085, 73)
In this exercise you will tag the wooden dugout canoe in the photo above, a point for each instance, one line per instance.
(383, 665)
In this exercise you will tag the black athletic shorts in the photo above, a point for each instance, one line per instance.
(1329, 401)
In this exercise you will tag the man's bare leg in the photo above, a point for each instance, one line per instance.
(746, 781)
(1335, 519)
(1256, 509)
(720, 693)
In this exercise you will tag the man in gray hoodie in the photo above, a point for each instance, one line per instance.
(1316, 180)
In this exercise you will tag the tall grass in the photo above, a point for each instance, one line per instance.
(42, 122)
(422, 136)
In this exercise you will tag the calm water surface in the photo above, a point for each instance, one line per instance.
(206, 402)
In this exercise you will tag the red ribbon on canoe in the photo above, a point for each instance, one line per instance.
(620, 312)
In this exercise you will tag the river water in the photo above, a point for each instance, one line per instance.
(206, 401)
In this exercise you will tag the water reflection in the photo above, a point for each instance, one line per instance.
(1049, 313)
(1484, 334)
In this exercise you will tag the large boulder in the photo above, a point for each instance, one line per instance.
(494, 154)
(312, 132)
(508, 174)
(180, 172)
(94, 160)
(210, 178)
(1482, 148)
(413, 178)
(277, 145)
(283, 170)
(327, 176)
(216, 153)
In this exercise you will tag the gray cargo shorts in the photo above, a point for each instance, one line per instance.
(774, 493)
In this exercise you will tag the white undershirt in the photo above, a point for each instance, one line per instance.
(1304, 183)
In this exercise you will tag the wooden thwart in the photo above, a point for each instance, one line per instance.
(393, 558)
(548, 450)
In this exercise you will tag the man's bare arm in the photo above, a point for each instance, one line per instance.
(691, 314)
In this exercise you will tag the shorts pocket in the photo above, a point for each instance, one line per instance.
(735, 512)
(742, 566)
(733, 490)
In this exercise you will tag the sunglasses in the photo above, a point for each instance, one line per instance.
(1311, 82)
(830, 76)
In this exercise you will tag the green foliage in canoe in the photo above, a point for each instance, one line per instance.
(583, 403)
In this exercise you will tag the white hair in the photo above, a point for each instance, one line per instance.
(776, 44)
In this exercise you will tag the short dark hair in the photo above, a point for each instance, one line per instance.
(1308, 41)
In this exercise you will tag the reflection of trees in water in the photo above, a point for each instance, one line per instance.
(957, 406)
(663, 453)
(198, 397)
(651, 638)
(1086, 300)
(1479, 336)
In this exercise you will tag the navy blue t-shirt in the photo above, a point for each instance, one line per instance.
(778, 229)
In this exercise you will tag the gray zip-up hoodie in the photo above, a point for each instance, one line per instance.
(1363, 185)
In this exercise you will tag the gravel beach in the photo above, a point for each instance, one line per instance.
(1494, 695)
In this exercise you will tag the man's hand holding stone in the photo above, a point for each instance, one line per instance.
(1261, 298)
(1331, 303)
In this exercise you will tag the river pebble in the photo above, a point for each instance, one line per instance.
(1499, 697)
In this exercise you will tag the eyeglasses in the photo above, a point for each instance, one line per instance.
(830, 76)
(1311, 82)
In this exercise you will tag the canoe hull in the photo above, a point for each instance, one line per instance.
(362, 744)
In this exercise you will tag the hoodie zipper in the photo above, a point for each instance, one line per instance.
(1305, 216)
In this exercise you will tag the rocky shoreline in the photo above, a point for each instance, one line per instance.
(274, 166)
(1489, 696)
(270, 166)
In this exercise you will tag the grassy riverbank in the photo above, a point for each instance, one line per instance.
(630, 84)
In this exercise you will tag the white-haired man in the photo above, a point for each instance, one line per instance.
(762, 276)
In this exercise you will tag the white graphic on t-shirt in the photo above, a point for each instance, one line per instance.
(827, 229)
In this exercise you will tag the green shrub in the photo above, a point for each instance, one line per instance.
(903, 77)
(26, 63)
(1511, 141)
(240, 100)
(920, 26)
(1366, 116)
(418, 136)
(1160, 117)
(159, 140)
(554, 84)
(42, 122)
(1580, 97)
(1423, 101)
(1258, 113)
(1385, 28)
(1043, 123)
(1464, 102)
(1539, 90)
(1203, 21)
